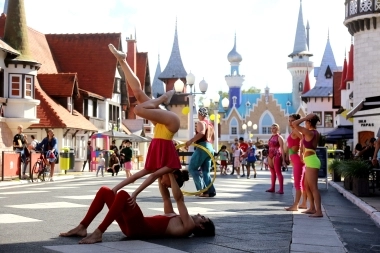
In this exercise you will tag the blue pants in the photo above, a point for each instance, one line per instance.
(201, 159)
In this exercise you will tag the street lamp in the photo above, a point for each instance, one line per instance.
(246, 127)
(287, 114)
(179, 88)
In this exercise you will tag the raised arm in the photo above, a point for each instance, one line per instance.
(168, 207)
(188, 222)
(303, 130)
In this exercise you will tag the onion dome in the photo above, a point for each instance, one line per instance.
(234, 56)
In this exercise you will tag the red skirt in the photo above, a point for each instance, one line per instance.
(162, 153)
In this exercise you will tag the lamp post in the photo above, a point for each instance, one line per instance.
(179, 88)
(246, 127)
(287, 114)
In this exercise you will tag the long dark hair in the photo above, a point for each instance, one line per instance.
(182, 176)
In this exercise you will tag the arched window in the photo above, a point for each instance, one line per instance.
(266, 123)
(300, 86)
(234, 126)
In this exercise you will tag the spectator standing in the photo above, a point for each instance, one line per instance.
(223, 156)
(233, 147)
(101, 164)
(237, 156)
(251, 159)
(127, 154)
(367, 153)
(243, 146)
(88, 156)
(19, 146)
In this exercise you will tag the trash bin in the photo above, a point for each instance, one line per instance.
(64, 159)
(71, 158)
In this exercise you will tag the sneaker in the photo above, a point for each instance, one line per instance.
(238, 176)
(254, 175)
(243, 175)
(248, 177)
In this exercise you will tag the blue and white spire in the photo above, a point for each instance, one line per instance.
(157, 85)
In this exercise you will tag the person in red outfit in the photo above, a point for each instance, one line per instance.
(132, 222)
(244, 147)
(276, 159)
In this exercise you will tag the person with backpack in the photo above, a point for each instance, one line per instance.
(251, 159)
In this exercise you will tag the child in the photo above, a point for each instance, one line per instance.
(101, 164)
(237, 152)
(223, 156)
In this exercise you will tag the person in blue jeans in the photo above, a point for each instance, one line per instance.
(204, 136)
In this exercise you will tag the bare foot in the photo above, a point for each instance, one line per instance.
(292, 208)
(316, 215)
(168, 95)
(302, 207)
(269, 190)
(308, 211)
(92, 238)
(118, 54)
(80, 230)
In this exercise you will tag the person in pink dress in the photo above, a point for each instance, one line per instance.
(294, 149)
(276, 159)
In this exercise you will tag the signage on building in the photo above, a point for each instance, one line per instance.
(364, 123)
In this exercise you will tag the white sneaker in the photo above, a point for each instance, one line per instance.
(51, 179)
(248, 177)
(238, 176)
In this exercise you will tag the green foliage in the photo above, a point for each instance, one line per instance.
(355, 168)
(335, 166)
(252, 89)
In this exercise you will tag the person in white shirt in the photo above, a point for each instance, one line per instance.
(101, 164)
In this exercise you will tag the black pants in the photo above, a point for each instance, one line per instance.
(117, 168)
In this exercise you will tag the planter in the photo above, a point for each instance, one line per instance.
(347, 183)
(360, 187)
(336, 176)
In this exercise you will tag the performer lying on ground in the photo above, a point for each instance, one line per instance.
(132, 221)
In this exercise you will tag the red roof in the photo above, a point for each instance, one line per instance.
(344, 74)
(52, 114)
(58, 85)
(350, 66)
(88, 56)
(337, 80)
(306, 87)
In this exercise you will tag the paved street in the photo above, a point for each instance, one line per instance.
(247, 219)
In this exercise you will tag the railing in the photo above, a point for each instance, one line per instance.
(361, 7)
(99, 123)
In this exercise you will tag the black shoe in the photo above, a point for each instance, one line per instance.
(254, 175)
(243, 175)
(112, 174)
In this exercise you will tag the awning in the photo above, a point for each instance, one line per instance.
(341, 132)
(365, 104)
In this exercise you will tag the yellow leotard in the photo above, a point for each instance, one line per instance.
(161, 132)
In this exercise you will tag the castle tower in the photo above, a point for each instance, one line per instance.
(300, 64)
(158, 86)
(234, 79)
(174, 70)
(363, 22)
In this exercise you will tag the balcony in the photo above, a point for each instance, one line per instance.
(360, 14)
(99, 123)
(20, 112)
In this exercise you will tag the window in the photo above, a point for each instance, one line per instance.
(95, 108)
(90, 108)
(15, 86)
(146, 122)
(116, 86)
(319, 114)
(113, 113)
(264, 130)
(233, 130)
(329, 119)
(300, 86)
(70, 104)
(28, 87)
(234, 126)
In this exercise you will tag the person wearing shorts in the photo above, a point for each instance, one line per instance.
(127, 154)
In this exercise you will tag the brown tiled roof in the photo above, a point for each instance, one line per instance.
(7, 48)
(88, 56)
(141, 65)
(41, 52)
(58, 85)
(90, 94)
(52, 114)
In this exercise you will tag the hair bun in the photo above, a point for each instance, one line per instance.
(185, 175)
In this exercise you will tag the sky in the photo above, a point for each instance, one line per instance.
(265, 33)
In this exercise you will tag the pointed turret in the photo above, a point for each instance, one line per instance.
(328, 66)
(174, 69)
(306, 87)
(308, 35)
(350, 66)
(16, 31)
(158, 86)
(343, 83)
(234, 79)
(300, 42)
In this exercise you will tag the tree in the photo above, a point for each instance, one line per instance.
(252, 89)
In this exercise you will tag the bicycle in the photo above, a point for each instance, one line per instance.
(39, 168)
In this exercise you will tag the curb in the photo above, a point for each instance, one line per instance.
(372, 212)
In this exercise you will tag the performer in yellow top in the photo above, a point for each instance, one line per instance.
(162, 156)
